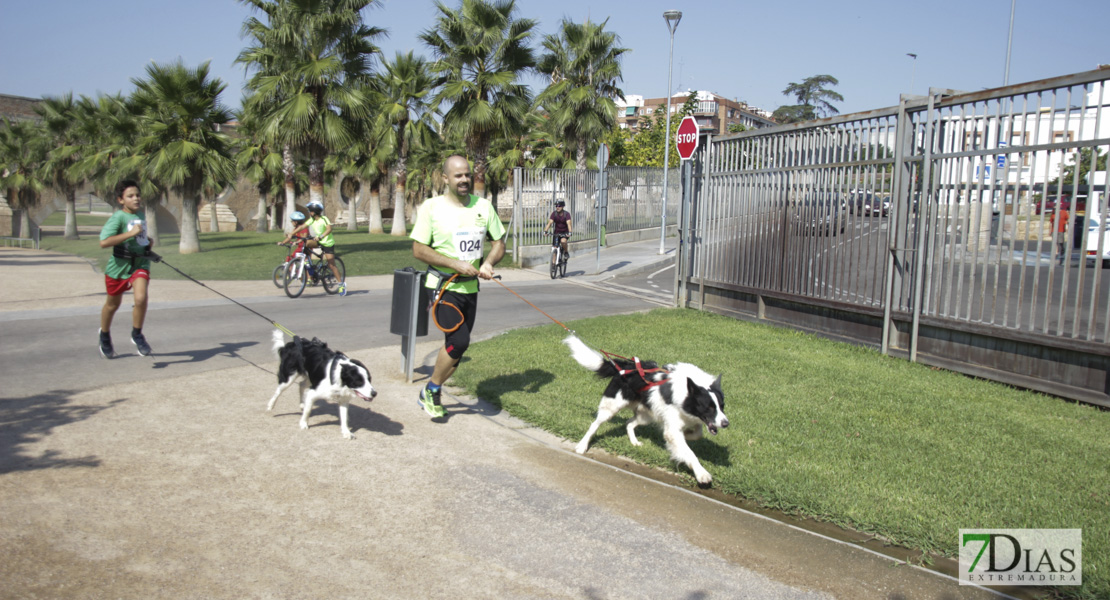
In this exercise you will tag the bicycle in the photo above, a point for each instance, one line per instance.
(304, 269)
(559, 257)
(279, 271)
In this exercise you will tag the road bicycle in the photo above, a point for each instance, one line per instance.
(304, 270)
(279, 271)
(559, 257)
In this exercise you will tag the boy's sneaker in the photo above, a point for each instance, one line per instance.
(106, 349)
(342, 289)
(140, 344)
(429, 401)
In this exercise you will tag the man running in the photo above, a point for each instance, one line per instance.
(449, 235)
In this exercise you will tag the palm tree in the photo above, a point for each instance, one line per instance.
(59, 116)
(23, 153)
(258, 163)
(180, 140)
(404, 118)
(482, 51)
(584, 64)
(811, 93)
(109, 130)
(310, 60)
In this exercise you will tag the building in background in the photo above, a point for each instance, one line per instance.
(714, 113)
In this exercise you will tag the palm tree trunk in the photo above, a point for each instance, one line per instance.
(316, 179)
(375, 216)
(288, 168)
(260, 221)
(190, 240)
(352, 211)
(71, 214)
(399, 228)
(580, 158)
(480, 177)
(213, 224)
(151, 210)
(26, 202)
(273, 215)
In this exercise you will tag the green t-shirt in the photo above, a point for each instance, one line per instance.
(457, 232)
(320, 225)
(122, 221)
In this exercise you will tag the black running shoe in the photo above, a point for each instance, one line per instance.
(140, 344)
(106, 349)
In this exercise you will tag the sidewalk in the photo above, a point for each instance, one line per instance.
(188, 488)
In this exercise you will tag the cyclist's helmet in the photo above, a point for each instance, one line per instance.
(560, 203)
(315, 207)
(296, 216)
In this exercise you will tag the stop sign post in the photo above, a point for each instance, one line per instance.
(686, 140)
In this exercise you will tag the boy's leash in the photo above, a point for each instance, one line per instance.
(159, 259)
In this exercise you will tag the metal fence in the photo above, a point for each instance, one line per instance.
(634, 200)
(924, 229)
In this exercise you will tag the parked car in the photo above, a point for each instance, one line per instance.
(1095, 233)
(885, 203)
(868, 205)
(819, 215)
(1050, 204)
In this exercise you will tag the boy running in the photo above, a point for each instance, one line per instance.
(128, 268)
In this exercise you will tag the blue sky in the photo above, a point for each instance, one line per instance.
(743, 50)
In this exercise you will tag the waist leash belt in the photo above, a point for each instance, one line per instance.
(121, 252)
(445, 279)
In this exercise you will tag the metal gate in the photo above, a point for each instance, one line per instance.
(924, 229)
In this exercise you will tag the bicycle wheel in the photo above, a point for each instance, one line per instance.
(331, 286)
(554, 264)
(279, 275)
(295, 278)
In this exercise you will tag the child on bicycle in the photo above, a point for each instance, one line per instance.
(297, 218)
(128, 268)
(561, 220)
(319, 229)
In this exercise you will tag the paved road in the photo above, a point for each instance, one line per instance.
(205, 334)
(171, 481)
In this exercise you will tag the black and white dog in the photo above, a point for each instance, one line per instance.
(680, 396)
(324, 374)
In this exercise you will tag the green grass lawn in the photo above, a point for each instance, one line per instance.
(834, 431)
(247, 255)
(58, 218)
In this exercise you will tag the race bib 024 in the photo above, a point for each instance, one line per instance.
(468, 244)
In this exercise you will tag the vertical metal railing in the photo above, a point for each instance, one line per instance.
(971, 179)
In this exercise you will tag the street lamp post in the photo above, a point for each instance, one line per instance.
(1009, 43)
(672, 17)
(913, 73)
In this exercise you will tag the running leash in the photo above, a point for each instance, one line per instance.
(186, 276)
(609, 356)
(556, 321)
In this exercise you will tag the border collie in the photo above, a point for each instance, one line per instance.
(324, 374)
(680, 396)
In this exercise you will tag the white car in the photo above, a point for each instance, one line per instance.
(1097, 233)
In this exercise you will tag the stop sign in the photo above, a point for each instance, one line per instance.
(686, 140)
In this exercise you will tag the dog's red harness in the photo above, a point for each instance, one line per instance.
(640, 370)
